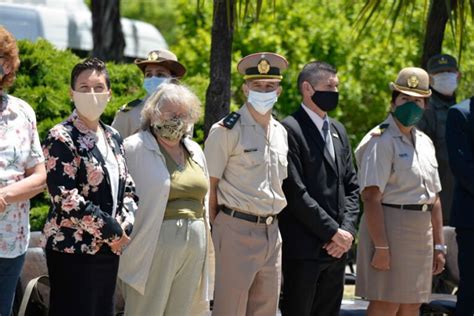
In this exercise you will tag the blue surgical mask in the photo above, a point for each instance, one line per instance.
(262, 102)
(152, 83)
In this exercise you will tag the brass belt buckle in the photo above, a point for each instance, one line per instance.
(424, 208)
(269, 220)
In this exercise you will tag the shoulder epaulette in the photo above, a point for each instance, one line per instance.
(380, 129)
(230, 120)
(130, 105)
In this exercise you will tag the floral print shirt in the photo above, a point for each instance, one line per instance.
(80, 219)
(20, 150)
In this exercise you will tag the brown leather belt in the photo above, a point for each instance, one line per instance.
(412, 207)
(248, 217)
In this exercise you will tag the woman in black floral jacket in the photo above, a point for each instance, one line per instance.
(93, 200)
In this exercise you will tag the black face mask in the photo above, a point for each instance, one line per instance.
(325, 100)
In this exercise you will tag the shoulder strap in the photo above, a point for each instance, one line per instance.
(33, 284)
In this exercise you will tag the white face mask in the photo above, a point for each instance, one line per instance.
(90, 105)
(445, 82)
(262, 102)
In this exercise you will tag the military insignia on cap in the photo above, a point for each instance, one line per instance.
(443, 61)
(263, 66)
(413, 81)
(153, 56)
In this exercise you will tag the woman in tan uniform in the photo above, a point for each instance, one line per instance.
(400, 238)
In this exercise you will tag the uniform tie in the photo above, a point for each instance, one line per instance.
(328, 139)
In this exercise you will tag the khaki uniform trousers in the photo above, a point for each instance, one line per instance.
(248, 267)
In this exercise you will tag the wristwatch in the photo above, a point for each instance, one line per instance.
(442, 248)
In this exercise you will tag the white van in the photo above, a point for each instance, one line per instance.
(68, 24)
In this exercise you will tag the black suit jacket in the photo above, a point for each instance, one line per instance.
(322, 194)
(460, 143)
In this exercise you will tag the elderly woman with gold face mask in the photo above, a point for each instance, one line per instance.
(22, 172)
(92, 200)
(165, 267)
(400, 239)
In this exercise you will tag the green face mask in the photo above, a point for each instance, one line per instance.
(408, 113)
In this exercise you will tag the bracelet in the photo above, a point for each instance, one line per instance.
(382, 247)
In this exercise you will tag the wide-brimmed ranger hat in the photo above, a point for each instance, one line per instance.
(164, 58)
(412, 81)
(262, 66)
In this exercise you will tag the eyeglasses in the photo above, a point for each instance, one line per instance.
(168, 115)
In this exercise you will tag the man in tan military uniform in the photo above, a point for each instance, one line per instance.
(246, 154)
(158, 67)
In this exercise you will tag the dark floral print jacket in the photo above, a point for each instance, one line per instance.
(80, 218)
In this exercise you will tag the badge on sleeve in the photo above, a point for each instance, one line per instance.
(230, 120)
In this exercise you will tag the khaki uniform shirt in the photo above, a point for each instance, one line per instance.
(251, 168)
(405, 173)
(127, 120)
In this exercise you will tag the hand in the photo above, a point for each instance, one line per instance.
(3, 203)
(438, 262)
(343, 239)
(381, 259)
(212, 215)
(334, 250)
(119, 244)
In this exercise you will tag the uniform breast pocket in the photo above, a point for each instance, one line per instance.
(251, 158)
(402, 161)
(283, 165)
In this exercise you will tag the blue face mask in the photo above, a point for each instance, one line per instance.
(151, 84)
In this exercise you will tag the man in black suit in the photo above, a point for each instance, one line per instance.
(319, 223)
(460, 143)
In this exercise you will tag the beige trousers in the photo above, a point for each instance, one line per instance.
(175, 273)
(248, 267)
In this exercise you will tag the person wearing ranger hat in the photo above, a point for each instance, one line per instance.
(444, 78)
(159, 66)
(246, 156)
(401, 242)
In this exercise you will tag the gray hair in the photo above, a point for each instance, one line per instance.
(314, 72)
(170, 93)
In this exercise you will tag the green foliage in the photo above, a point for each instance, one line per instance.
(38, 217)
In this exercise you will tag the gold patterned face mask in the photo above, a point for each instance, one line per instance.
(172, 129)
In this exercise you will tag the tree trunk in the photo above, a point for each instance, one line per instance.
(435, 28)
(218, 93)
(107, 34)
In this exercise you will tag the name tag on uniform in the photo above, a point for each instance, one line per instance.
(250, 150)
(403, 155)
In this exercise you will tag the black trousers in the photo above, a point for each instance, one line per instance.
(312, 288)
(82, 285)
(465, 304)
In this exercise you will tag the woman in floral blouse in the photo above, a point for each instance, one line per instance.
(22, 172)
(93, 200)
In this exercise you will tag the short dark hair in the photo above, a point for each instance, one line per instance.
(313, 71)
(89, 64)
(396, 93)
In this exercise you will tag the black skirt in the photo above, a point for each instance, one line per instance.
(82, 284)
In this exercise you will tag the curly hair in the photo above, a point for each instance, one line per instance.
(170, 93)
(89, 64)
(9, 52)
